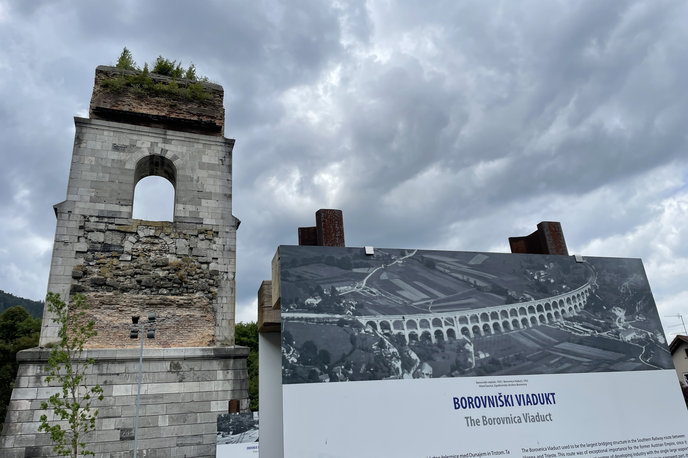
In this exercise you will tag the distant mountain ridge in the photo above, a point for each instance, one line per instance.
(7, 300)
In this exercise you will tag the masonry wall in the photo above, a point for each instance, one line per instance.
(100, 249)
(137, 107)
(142, 267)
(182, 392)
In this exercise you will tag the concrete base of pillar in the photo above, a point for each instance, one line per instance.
(182, 392)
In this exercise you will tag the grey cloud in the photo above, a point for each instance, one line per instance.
(575, 103)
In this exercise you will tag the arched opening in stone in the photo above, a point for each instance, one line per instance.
(385, 327)
(400, 337)
(155, 179)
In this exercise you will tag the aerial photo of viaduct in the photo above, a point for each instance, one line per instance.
(348, 316)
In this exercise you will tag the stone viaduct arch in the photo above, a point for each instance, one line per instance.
(485, 321)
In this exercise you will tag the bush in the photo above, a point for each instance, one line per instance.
(142, 84)
(168, 67)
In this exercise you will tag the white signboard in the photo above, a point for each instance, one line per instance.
(428, 354)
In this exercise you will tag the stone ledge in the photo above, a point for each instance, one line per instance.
(41, 355)
(133, 131)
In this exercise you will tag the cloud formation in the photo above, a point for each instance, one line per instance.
(446, 125)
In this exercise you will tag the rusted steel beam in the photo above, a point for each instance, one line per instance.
(308, 236)
(330, 227)
(328, 231)
(547, 239)
(234, 406)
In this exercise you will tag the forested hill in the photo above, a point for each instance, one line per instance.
(7, 300)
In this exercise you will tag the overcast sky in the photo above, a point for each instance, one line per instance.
(437, 125)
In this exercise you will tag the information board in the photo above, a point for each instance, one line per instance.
(237, 435)
(422, 354)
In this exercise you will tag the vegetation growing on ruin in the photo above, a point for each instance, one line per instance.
(185, 84)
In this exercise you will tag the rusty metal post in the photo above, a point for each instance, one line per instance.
(234, 406)
(547, 239)
(328, 231)
(308, 236)
(330, 227)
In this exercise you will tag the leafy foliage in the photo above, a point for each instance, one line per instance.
(67, 367)
(190, 74)
(18, 331)
(126, 60)
(7, 300)
(246, 334)
(168, 67)
(143, 85)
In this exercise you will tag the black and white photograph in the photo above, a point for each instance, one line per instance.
(237, 428)
(408, 314)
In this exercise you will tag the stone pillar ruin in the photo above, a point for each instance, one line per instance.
(102, 252)
(182, 270)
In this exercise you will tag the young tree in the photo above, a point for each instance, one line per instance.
(67, 367)
(126, 61)
(168, 67)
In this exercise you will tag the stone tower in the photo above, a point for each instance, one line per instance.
(100, 251)
(182, 270)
